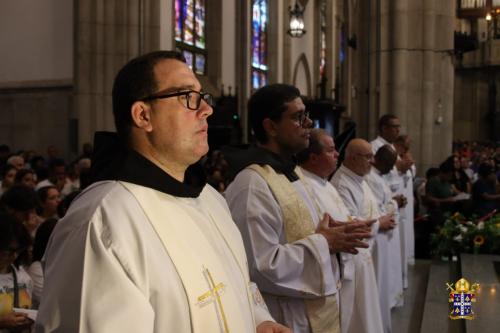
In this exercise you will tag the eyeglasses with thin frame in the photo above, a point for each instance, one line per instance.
(189, 98)
(300, 117)
(368, 156)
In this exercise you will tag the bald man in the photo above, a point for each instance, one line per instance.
(361, 203)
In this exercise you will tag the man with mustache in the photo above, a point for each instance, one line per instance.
(289, 242)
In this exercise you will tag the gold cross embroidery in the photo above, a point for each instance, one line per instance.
(215, 293)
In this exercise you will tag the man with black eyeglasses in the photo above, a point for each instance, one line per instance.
(290, 243)
(141, 250)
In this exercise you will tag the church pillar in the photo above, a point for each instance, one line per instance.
(423, 142)
(108, 33)
(439, 116)
(398, 46)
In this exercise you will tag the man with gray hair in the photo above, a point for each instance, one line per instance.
(360, 201)
(318, 162)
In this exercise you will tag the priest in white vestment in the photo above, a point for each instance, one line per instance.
(141, 250)
(318, 162)
(389, 277)
(360, 201)
(399, 181)
(288, 242)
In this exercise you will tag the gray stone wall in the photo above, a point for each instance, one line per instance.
(34, 118)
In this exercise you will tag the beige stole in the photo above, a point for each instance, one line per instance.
(322, 312)
(213, 300)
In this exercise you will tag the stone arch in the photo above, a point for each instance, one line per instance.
(302, 65)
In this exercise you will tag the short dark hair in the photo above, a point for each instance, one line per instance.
(43, 193)
(446, 167)
(20, 198)
(269, 102)
(315, 147)
(386, 154)
(5, 170)
(13, 231)
(42, 237)
(485, 170)
(136, 80)
(21, 173)
(431, 172)
(56, 162)
(384, 121)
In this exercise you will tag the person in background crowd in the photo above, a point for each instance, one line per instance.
(48, 199)
(26, 177)
(8, 177)
(21, 201)
(17, 161)
(15, 284)
(459, 181)
(57, 177)
(484, 191)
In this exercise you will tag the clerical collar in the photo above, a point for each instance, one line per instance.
(351, 174)
(314, 176)
(112, 160)
(238, 159)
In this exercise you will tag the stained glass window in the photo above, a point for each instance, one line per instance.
(322, 40)
(190, 32)
(259, 43)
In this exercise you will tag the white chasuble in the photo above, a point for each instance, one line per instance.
(213, 300)
(390, 274)
(366, 314)
(108, 269)
(322, 312)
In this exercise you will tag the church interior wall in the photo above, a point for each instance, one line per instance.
(36, 75)
(228, 54)
(401, 64)
(37, 41)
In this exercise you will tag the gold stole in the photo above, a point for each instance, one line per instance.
(213, 300)
(322, 312)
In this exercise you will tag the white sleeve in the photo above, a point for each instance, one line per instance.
(281, 268)
(88, 287)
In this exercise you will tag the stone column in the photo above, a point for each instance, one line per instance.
(108, 33)
(422, 137)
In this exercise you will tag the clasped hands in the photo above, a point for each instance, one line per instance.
(345, 236)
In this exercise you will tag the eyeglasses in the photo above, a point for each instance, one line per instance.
(300, 117)
(368, 156)
(189, 98)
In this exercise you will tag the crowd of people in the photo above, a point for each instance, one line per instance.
(466, 182)
(283, 238)
(35, 192)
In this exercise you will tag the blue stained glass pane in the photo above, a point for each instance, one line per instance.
(178, 20)
(200, 64)
(189, 22)
(189, 58)
(259, 42)
(263, 33)
(255, 80)
(200, 24)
